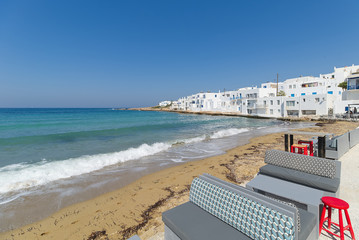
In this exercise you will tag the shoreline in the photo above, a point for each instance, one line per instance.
(232, 114)
(40, 202)
(137, 207)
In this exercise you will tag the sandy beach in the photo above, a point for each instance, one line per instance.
(137, 207)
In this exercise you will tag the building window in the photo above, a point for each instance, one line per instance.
(290, 103)
(271, 111)
(292, 95)
(271, 102)
(290, 86)
(340, 92)
(215, 95)
(278, 110)
(314, 93)
(330, 92)
(265, 103)
(309, 112)
(294, 86)
(302, 94)
(278, 102)
(303, 99)
(317, 100)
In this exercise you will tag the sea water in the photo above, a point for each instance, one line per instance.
(57, 157)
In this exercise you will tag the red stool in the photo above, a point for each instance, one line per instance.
(308, 143)
(302, 149)
(332, 202)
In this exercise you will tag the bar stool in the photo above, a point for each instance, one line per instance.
(308, 143)
(332, 202)
(302, 149)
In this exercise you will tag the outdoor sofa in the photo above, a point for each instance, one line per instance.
(300, 179)
(336, 147)
(221, 210)
(353, 137)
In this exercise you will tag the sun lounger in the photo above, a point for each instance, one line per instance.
(221, 210)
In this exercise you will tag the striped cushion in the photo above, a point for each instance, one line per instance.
(251, 218)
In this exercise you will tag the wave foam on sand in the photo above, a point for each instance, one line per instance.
(31, 175)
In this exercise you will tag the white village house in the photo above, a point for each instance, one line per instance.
(164, 103)
(297, 97)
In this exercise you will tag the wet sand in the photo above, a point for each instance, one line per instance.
(137, 207)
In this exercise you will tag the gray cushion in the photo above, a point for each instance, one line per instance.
(312, 165)
(333, 143)
(307, 222)
(242, 211)
(318, 182)
(188, 221)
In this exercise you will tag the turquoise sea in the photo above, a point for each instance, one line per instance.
(57, 157)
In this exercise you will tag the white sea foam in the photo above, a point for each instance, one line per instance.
(196, 139)
(176, 160)
(228, 132)
(13, 167)
(190, 140)
(4, 200)
(20, 176)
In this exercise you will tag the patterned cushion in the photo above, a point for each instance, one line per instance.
(312, 165)
(287, 202)
(251, 218)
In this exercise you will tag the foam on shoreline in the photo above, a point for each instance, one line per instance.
(44, 172)
(149, 168)
(30, 175)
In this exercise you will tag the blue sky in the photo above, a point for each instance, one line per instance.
(137, 53)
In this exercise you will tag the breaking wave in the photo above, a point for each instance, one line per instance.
(21, 176)
(228, 132)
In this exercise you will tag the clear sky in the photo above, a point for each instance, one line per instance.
(137, 53)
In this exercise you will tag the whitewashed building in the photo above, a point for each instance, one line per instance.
(296, 97)
(350, 99)
(164, 103)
